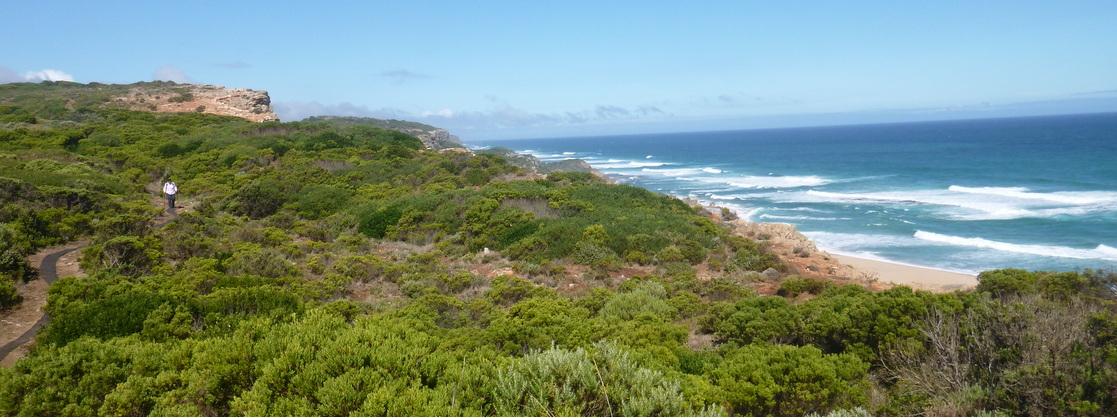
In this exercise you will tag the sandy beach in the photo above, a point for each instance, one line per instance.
(911, 276)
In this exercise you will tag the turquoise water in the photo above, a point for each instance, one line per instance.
(1037, 193)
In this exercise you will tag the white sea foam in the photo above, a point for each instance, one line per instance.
(800, 218)
(726, 196)
(867, 245)
(568, 153)
(976, 203)
(868, 255)
(742, 212)
(803, 209)
(613, 164)
(647, 157)
(711, 170)
(672, 172)
(764, 182)
(747, 214)
(852, 242)
(1069, 198)
(1100, 252)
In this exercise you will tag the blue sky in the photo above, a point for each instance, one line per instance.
(524, 69)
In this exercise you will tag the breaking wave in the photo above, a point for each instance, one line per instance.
(800, 218)
(1101, 252)
(765, 182)
(979, 203)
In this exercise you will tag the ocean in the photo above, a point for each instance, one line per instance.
(1036, 193)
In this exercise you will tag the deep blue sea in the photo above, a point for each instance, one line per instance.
(1036, 193)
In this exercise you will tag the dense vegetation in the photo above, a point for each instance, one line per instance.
(330, 268)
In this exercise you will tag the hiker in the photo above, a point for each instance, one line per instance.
(169, 191)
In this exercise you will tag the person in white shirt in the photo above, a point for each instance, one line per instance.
(170, 189)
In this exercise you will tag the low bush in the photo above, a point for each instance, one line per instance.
(9, 297)
(785, 380)
(600, 382)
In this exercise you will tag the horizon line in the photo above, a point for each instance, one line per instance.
(794, 127)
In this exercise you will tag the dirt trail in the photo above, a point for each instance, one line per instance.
(24, 322)
(157, 200)
(19, 326)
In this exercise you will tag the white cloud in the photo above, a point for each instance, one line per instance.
(445, 113)
(7, 75)
(170, 73)
(47, 75)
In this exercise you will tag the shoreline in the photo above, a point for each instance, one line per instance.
(863, 268)
(916, 277)
(896, 273)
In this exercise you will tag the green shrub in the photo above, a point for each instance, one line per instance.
(127, 255)
(600, 382)
(259, 199)
(182, 97)
(176, 148)
(13, 261)
(670, 254)
(785, 380)
(692, 251)
(537, 323)
(361, 268)
(88, 307)
(646, 299)
(595, 255)
(317, 201)
(507, 290)
(758, 319)
(9, 297)
(638, 257)
(756, 261)
(254, 260)
(374, 222)
(168, 322)
(123, 224)
(794, 286)
(1006, 282)
(218, 306)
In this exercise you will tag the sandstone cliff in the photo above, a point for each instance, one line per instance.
(253, 105)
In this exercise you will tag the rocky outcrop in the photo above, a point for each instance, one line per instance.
(436, 138)
(253, 105)
(796, 250)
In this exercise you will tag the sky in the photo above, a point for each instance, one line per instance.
(518, 69)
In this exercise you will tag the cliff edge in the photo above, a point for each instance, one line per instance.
(253, 105)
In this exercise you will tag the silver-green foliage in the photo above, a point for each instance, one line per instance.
(602, 381)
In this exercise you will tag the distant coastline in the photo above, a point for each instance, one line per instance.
(957, 196)
(826, 262)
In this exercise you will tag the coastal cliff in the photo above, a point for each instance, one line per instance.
(253, 105)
